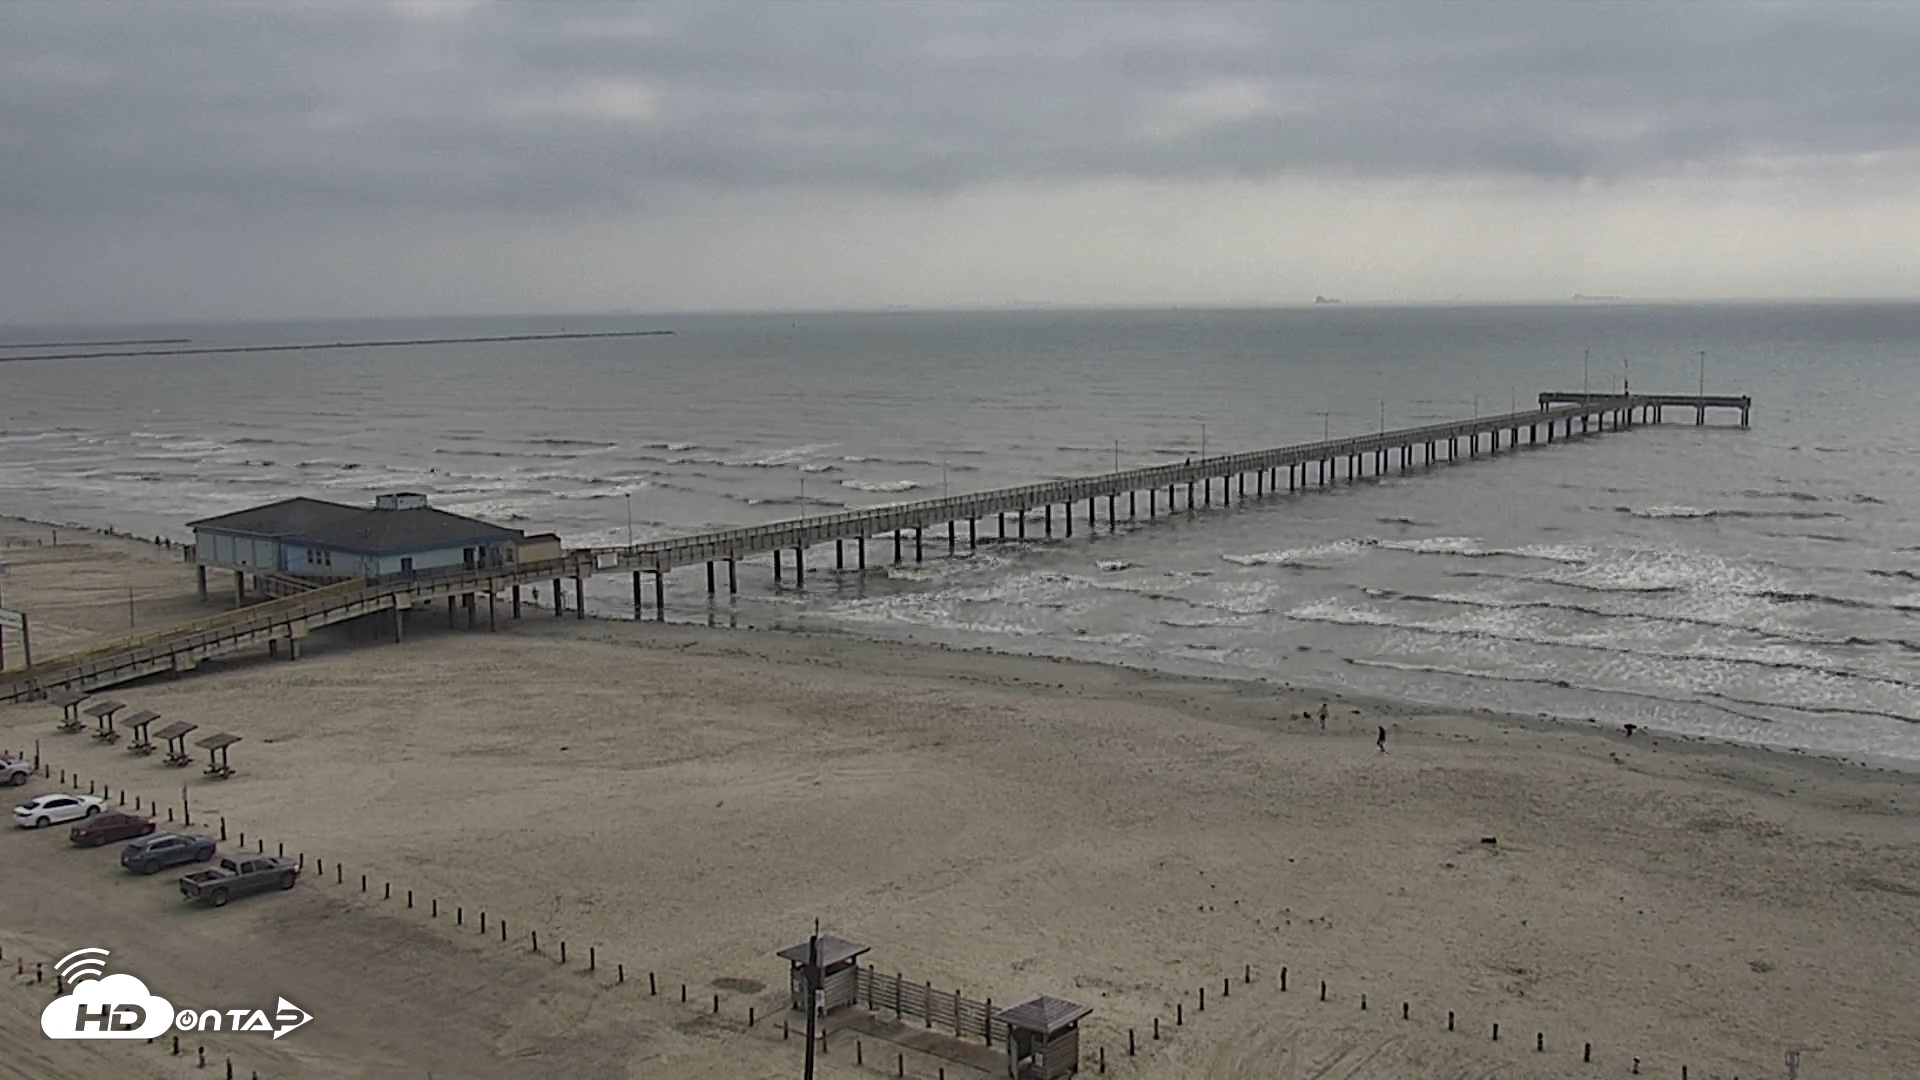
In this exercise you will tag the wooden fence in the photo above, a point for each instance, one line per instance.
(947, 1010)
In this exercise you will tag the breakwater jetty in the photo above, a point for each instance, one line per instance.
(397, 343)
(1014, 513)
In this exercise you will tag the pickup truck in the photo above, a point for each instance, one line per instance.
(239, 877)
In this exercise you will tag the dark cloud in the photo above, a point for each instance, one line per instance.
(538, 108)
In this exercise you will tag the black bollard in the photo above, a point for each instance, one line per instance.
(409, 899)
(203, 1057)
(563, 952)
(683, 993)
(223, 828)
(716, 1004)
(899, 1064)
(1636, 1066)
(1586, 1053)
(1449, 1019)
(1156, 1029)
(1129, 1042)
(1203, 999)
(433, 908)
(1103, 1059)
(593, 961)
(1496, 1032)
(229, 1069)
(651, 991)
(859, 1055)
(786, 1030)
(363, 883)
(1363, 1003)
(387, 893)
(503, 930)
(620, 974)
(483, 922)
(1283, 980)
(535, 935)
(1540, 1042)
(176, 1046)
(1323, 989)
(750, 1016)
(339, 873)
(1248, 976)
(1403, 1010)
(1226, 987)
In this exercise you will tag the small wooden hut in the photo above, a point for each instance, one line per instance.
(1043, 1038)
(839, 971)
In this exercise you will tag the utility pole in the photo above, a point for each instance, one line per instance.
(1586, 361)
(629, 519)
(1626, 376)
(1703, 373)
(813, 992)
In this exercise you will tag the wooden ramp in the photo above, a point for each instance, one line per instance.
(184, 646)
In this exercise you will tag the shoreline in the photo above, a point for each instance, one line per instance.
(687, 800)
(1375, 704)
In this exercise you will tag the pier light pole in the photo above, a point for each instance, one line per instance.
(129, 607)
(1476, 406)
(944, 491)
(629, 519)
(1116, 455)
(1703, 373)
(1326, 427)
(1586, 361)
(1203, 442)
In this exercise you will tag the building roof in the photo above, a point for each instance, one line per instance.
(319, 523)
(1043, 1014)
(832, 951)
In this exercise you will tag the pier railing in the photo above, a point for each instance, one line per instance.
(663, 555)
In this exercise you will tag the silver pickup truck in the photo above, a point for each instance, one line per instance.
(239, 877)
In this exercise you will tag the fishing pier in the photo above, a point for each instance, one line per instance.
(1050, 508)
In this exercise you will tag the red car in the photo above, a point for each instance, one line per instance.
(107, 827)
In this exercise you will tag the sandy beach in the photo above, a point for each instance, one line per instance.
(687, 800)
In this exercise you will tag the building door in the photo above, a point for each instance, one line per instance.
(467, 554)
(406, 565)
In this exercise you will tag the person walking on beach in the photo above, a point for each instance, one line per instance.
(1382, 740)
(1323, 716)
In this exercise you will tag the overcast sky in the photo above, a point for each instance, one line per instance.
(177, 159)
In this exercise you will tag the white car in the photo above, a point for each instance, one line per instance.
(43, 810)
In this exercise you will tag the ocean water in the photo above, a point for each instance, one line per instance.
(1760, 585)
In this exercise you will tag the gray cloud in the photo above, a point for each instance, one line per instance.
(555, 107)
(263, 158)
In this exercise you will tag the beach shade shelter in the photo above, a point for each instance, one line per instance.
(216, 748)
(139, 721)
(839, 971)
(1043, 1038)
(102, 714)
(175, 736)
(69, 702)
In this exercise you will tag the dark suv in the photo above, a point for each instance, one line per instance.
(151, 854)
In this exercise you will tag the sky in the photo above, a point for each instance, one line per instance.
(181, 160)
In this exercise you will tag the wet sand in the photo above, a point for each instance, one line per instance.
(687, 800)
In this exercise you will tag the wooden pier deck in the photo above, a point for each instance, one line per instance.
(1186, 488)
